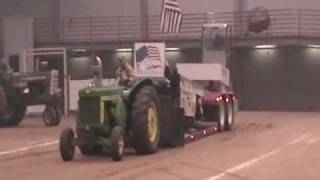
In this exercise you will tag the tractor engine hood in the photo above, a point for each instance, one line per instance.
(115, 90)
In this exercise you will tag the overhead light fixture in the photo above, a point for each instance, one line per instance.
(173, 49)
(80, 50)
(124, 50)
(313, 46)
(265, 46)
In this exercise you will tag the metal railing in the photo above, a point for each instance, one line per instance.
(87, 29)
(284, 22)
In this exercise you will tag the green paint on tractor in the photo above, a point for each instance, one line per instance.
(103, 121)
(102, 108)
(103, 91)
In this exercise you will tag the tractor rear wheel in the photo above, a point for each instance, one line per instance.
(11, 113)
(3, 102)
(144, 123)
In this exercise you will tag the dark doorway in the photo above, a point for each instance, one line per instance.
(14, 62)
(279, 79)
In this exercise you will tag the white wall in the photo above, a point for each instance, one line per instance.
(80, 8)
(284, 4)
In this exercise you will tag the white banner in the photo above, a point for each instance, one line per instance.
(149, 59)
(188, 95)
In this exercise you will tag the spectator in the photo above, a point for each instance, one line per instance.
(124, 73)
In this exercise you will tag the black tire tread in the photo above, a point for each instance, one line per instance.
(53, 112)
(116, 134)
(18, 113)
(65, 143)
(228, 126)
(4, 100)
(221, 127)
(143, 99)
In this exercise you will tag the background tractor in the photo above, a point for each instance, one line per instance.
(19, 90)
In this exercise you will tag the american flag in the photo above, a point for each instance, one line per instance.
(148, 57)
(171, 16)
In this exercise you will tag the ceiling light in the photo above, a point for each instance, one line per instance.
(80, 50)
(265, 46)
(124, 50)
(173, 49)
(314, 46)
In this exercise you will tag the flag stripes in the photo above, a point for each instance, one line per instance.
(154, 56)
(150, 55)
(171, 16)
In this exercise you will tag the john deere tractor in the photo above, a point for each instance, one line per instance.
(117, 116)
(113, 117)
(19, 90)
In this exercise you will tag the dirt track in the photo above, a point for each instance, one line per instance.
(267, 145)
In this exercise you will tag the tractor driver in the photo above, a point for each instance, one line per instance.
(124, 73)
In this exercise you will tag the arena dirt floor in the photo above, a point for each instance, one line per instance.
(262, 146)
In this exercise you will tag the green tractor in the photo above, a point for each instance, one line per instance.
(123, 115)
(19, 90)
(114, 117)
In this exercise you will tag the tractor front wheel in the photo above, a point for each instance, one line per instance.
(117, 144)
(67, 146)
(51, 116)
(145, 124)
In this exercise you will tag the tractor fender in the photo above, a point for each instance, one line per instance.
(139, 85)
